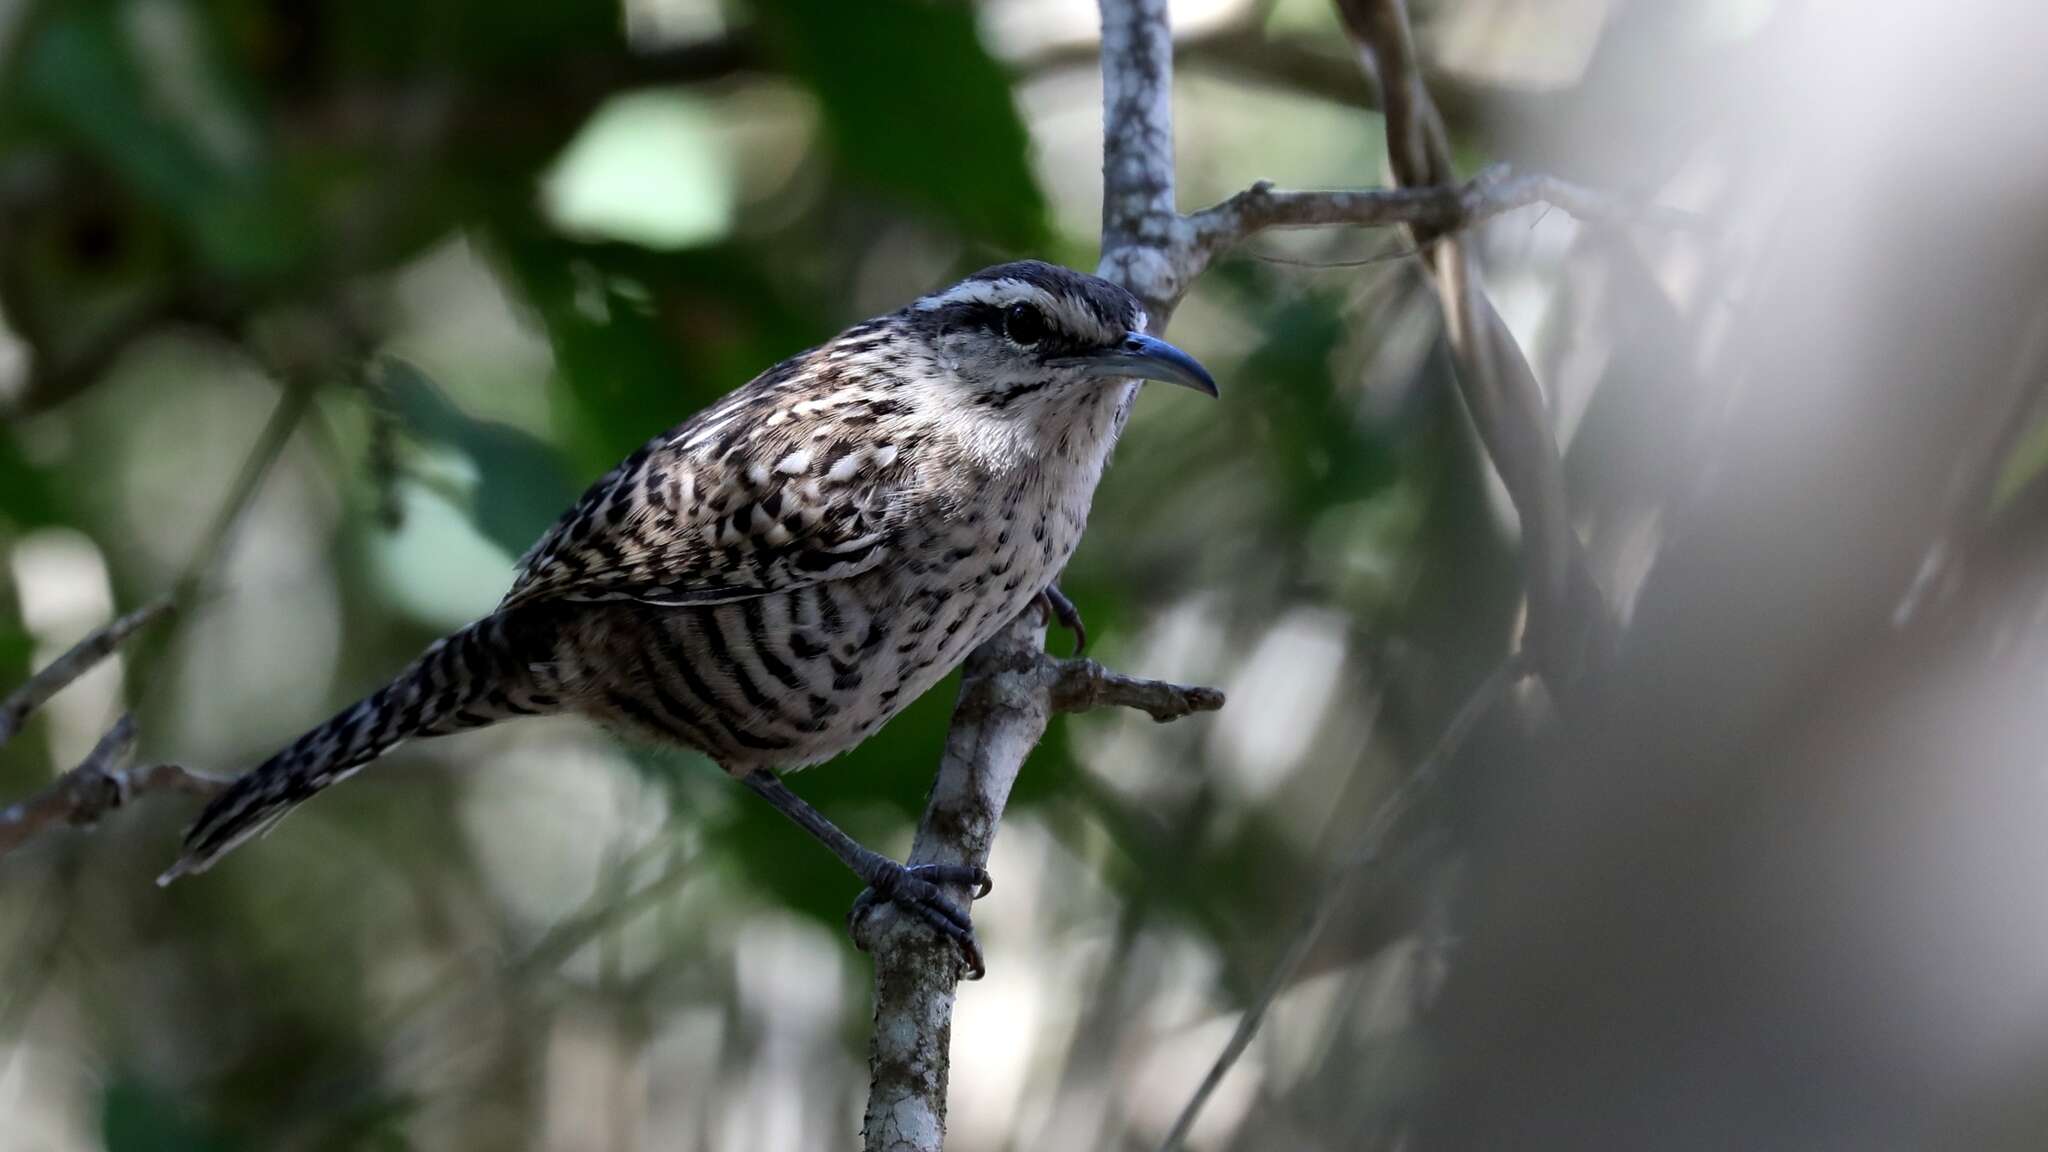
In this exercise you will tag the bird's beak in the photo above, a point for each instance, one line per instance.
(1146, 358)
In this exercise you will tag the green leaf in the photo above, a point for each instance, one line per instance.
(522, 484)
(916, 108)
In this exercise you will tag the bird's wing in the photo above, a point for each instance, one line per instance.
(760, 493)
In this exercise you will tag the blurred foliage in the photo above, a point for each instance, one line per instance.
(136, 1118)
(178, 174)
(520, 477)
(954, 144)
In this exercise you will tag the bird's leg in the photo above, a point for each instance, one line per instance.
(914, 888)
(1058, 607)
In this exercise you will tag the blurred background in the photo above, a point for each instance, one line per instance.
(410, 274)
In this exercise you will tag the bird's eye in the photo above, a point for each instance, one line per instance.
(1024, 324)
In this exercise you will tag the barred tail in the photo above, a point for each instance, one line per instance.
(495, 669)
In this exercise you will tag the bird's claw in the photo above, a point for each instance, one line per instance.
(916, 889)
(1058, 607)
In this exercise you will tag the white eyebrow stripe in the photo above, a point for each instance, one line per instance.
(1004, 291)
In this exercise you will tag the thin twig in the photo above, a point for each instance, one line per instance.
(98, 785)
(80, 659)
(1568, 618)
(1436, 209)
(87, 792)
(1370, 847)
(1084, 685)
(604, 912)
(263, 456)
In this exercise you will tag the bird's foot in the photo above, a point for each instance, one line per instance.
(1058, 607)
(915, 889)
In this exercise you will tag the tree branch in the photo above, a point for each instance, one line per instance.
(101, 783)
(1142, 233)
(80, 659)
(1436, 209)
(1568, 616)
(1566, 612)
(1084, 685)
(1001, 714)
(1008, 693)
(1368, 849)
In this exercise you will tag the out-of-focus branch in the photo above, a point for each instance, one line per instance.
(1977, 479)
(1566, 611)
(1436, 210)
(1366, 852)
(80, 659)
(607, 912)
(1242, 50)
(270, 444)
(1567, 615)
(53, 379)
(101, 783)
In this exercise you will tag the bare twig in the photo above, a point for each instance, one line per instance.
(263, 456)
(1436, 209)
(97, 786)
(608, 911)
(101, 783)
(1083, 685)
(1368, 849)
(1567, 614)
(80, 659)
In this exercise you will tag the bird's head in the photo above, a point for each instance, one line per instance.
(1029, 340)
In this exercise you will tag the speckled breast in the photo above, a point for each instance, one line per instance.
(793, 678)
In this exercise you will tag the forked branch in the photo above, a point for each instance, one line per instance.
(103, 781)
(100, 783)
